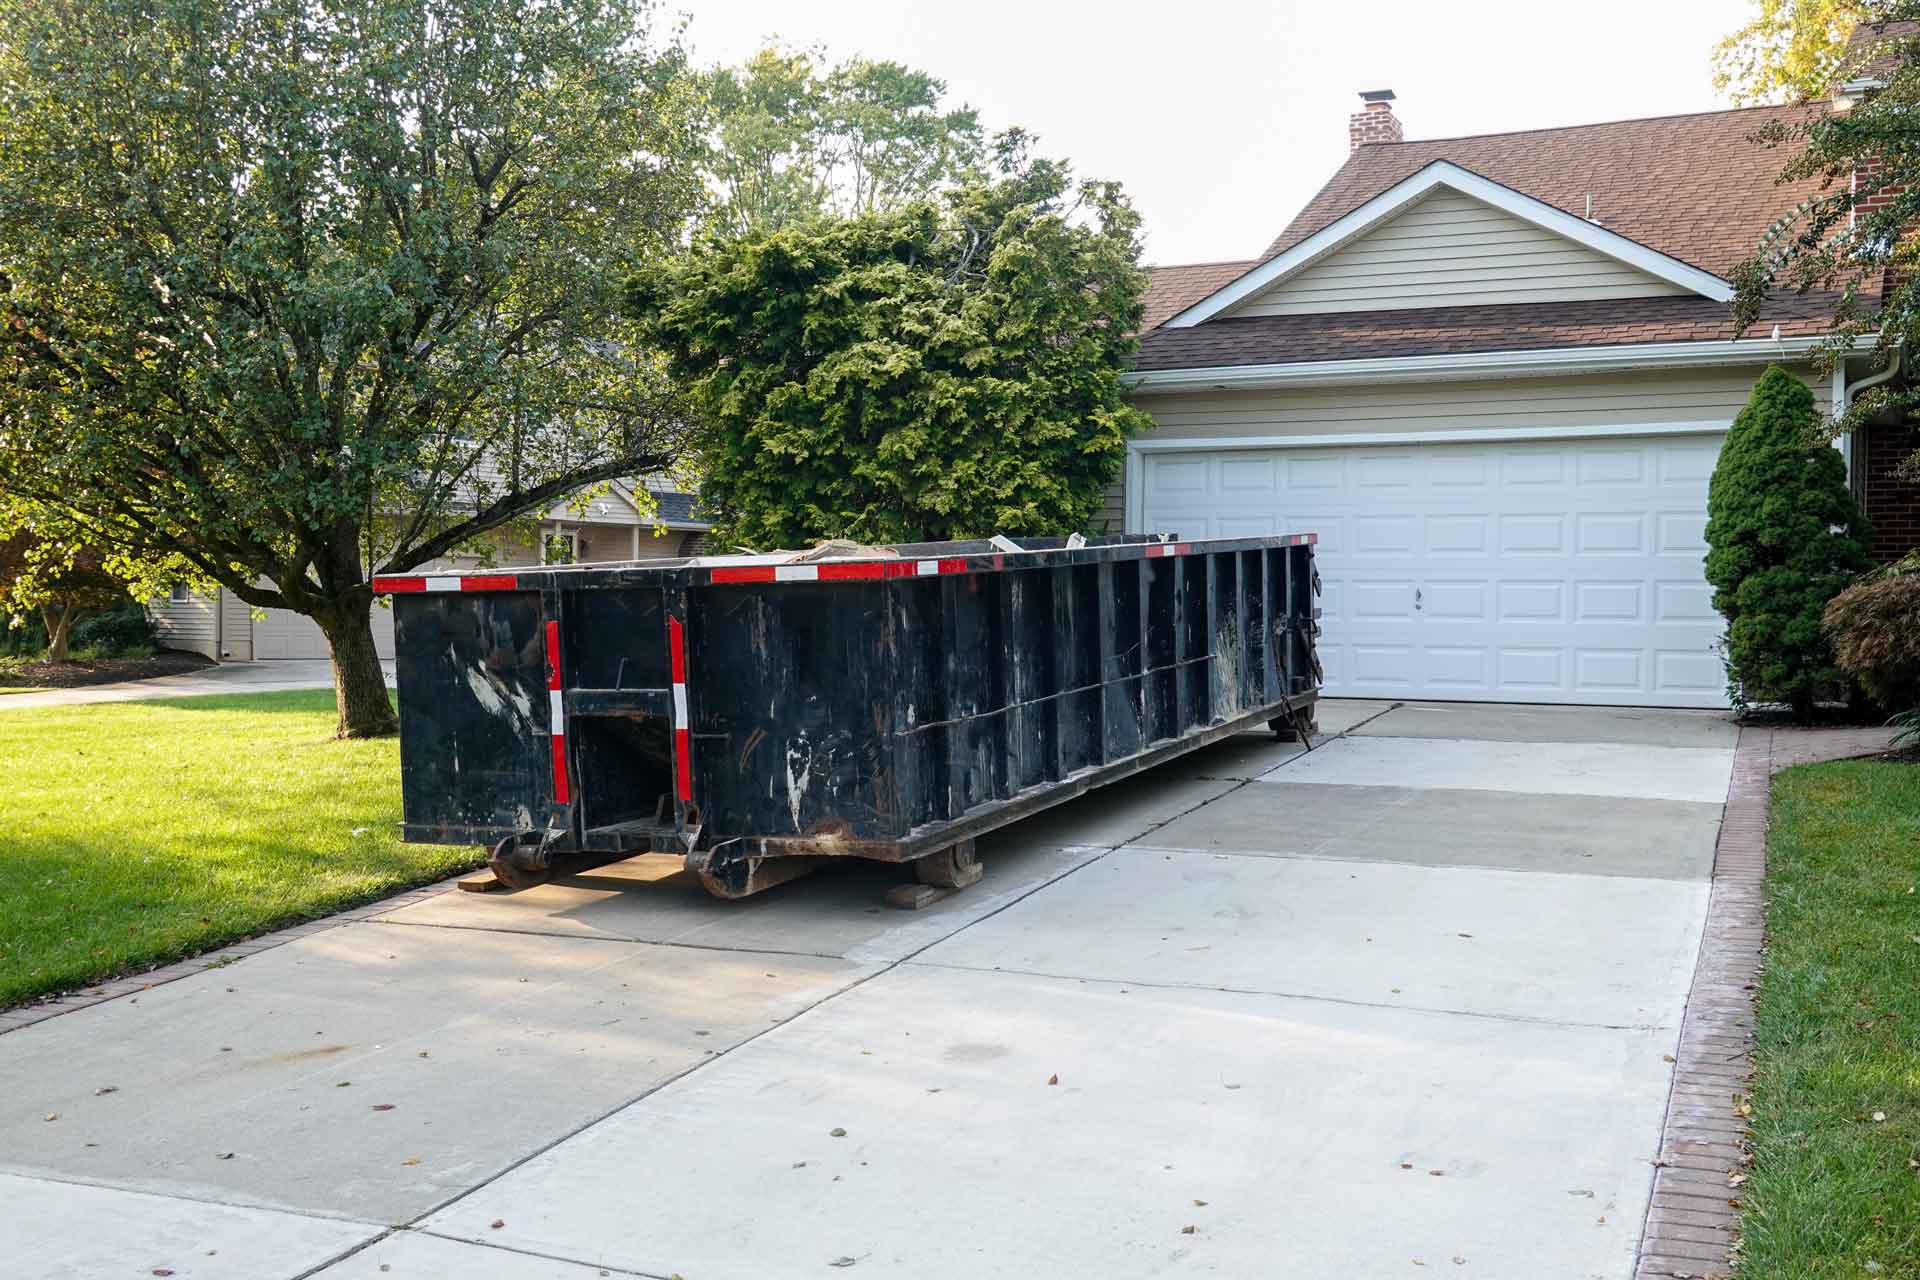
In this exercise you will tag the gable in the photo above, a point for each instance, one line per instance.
(1448, 248)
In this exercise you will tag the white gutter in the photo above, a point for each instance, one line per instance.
(1472, 364)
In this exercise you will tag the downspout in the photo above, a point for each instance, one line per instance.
(1846, 393)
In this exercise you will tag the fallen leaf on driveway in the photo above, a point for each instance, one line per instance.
(53, 1115)
(1053, 1079)
(843, 1262)
(383, 1106)
(163, 1271)
(836, 1133)
(106, 1089)
(411, 1160)
(497, 1223)
(223, 1155)
(1188, 1230)
(1436, 1173)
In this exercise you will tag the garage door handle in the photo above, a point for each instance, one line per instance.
(1416, 597)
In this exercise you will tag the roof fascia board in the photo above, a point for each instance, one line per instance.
(1415, 186)
(1473, 364)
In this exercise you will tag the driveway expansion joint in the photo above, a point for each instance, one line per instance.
(1519, 1019)
(1715, 1053)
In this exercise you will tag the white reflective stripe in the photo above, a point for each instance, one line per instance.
(679, 706)
(443, 584)
(557, 713)
(929, 566)
(796, 573)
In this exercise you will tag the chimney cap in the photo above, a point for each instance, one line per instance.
(1376, 95)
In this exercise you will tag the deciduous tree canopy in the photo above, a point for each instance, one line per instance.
(793, 140)
(303, 290)
(1855, 238)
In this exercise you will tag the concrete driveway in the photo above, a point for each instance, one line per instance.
(1399, 1006)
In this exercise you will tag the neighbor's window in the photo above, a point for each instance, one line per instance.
(180, 594)
(557, 548)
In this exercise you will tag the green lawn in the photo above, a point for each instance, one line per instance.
(140, 832)
(1835, 1185)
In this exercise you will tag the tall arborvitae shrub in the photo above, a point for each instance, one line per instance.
(1784, 536)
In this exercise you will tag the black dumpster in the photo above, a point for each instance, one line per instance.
(756, 713)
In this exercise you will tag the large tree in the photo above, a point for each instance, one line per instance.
(1855, 238)
(307, 290)
(1789, 49)
(793, 139)
(948, 370)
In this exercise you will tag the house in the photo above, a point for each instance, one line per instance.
(1493, 374)
(609, 526)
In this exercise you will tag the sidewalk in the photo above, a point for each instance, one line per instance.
(228, 677)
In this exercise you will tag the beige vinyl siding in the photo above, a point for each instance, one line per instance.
(1111, 515)
(1452, 250)
(236, 635)
(1601, 400)
(186, 624)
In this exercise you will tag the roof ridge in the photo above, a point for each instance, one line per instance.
(1211, 262)
(1600, 124)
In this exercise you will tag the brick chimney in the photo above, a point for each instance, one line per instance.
(1375, 122)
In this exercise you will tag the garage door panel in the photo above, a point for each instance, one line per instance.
(1548, 571)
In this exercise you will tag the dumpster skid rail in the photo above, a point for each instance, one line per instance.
(757, 713)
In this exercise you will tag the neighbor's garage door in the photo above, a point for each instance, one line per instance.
(1526, 572)
(285, 634)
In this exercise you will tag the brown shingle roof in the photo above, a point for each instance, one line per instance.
(1171, 290)
(1694, 187)
(1447, 330)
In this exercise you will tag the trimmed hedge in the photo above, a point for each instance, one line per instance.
(1784, 536)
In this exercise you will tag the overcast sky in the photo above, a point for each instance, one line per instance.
(1222, 117)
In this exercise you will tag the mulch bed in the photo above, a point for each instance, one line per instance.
(73, 675)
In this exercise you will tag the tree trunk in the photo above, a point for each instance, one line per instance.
(359, 685)
(59, 623)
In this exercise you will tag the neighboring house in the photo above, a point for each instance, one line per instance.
(608, 527)
(1493, 374)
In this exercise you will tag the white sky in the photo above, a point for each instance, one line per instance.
(1222, 117)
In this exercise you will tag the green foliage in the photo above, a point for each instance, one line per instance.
(1789, 49)
(1874, 626)
(1784, 537)
(309, 289)
(948, 370)
(123, 629)
(793, 141)
(1853, 240)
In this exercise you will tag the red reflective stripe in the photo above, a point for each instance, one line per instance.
(553, 655)
(561, 793)
(683, 764)
(385, 586)
(490, 582)
(953, 566)
(853, 572)
(677, 649)
(742, 573)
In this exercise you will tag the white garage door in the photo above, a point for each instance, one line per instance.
(285, 634)
(1550, 571)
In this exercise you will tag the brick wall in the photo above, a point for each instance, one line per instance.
(1892, 504)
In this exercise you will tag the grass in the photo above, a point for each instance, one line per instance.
(141, 832)
(1835, 1185)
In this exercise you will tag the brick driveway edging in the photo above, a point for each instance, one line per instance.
(134, 983)
(1693, 1220)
